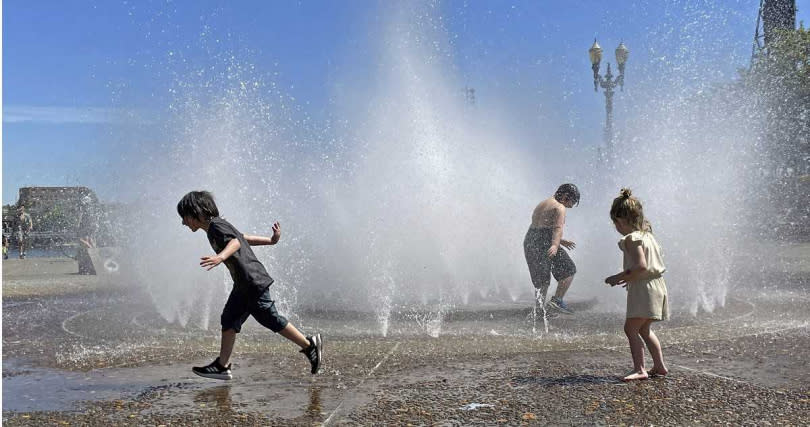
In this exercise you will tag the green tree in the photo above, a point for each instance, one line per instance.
(780, 84)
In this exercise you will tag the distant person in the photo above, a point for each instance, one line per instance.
(642, 278)
(88, 223)
(542, 247)
(86, 234)
(24, 227)
(250, 295)
(6, 233)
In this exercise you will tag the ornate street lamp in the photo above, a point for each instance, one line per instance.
(622, 52)
(595, 52)
(608, 83)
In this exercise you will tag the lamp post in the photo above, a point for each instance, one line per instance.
(608, 83)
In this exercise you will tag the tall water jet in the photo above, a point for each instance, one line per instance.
(434, 193)
(689, 148)
(422, 200)
(225, 128)
(410, 196)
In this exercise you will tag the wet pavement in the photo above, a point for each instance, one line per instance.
(86, 350)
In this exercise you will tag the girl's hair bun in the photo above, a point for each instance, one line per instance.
(625, 193)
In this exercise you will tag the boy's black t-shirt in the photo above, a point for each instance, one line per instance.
(247, 272)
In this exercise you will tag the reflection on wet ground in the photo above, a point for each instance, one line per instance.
(94, 350)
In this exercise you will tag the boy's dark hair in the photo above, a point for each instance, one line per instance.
(569, 190)
(199, 205)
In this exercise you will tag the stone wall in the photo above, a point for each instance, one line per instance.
(52, 209)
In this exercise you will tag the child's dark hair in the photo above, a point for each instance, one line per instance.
(198, 204)
(569, 190)
(628, 207)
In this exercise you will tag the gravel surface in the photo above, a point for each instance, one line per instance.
(79, 352)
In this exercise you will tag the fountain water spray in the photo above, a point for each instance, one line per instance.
(417, 198)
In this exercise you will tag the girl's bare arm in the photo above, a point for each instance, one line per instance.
(638, 262)
(638, 265)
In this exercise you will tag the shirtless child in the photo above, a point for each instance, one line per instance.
(542, 248)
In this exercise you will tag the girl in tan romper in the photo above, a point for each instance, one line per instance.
(642, 277)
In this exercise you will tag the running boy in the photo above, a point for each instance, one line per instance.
(542, 246)
(250, 294)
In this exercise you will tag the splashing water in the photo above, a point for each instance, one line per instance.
(410, 196)
(538, 301)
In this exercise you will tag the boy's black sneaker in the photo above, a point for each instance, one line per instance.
(559, 305)
(313, 352)
(214, 370)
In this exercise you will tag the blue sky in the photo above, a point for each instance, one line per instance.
(81, 78)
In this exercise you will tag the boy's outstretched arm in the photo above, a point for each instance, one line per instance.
(209, 262)
(262, 240)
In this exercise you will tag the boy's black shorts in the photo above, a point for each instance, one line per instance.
(535, 247)
(258, 304)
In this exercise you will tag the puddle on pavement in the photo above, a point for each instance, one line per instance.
(168, 389)
(42, 389)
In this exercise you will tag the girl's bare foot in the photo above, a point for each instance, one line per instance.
(636, 375)
(657, 372)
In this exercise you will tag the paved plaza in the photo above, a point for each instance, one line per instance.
(82, 350)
